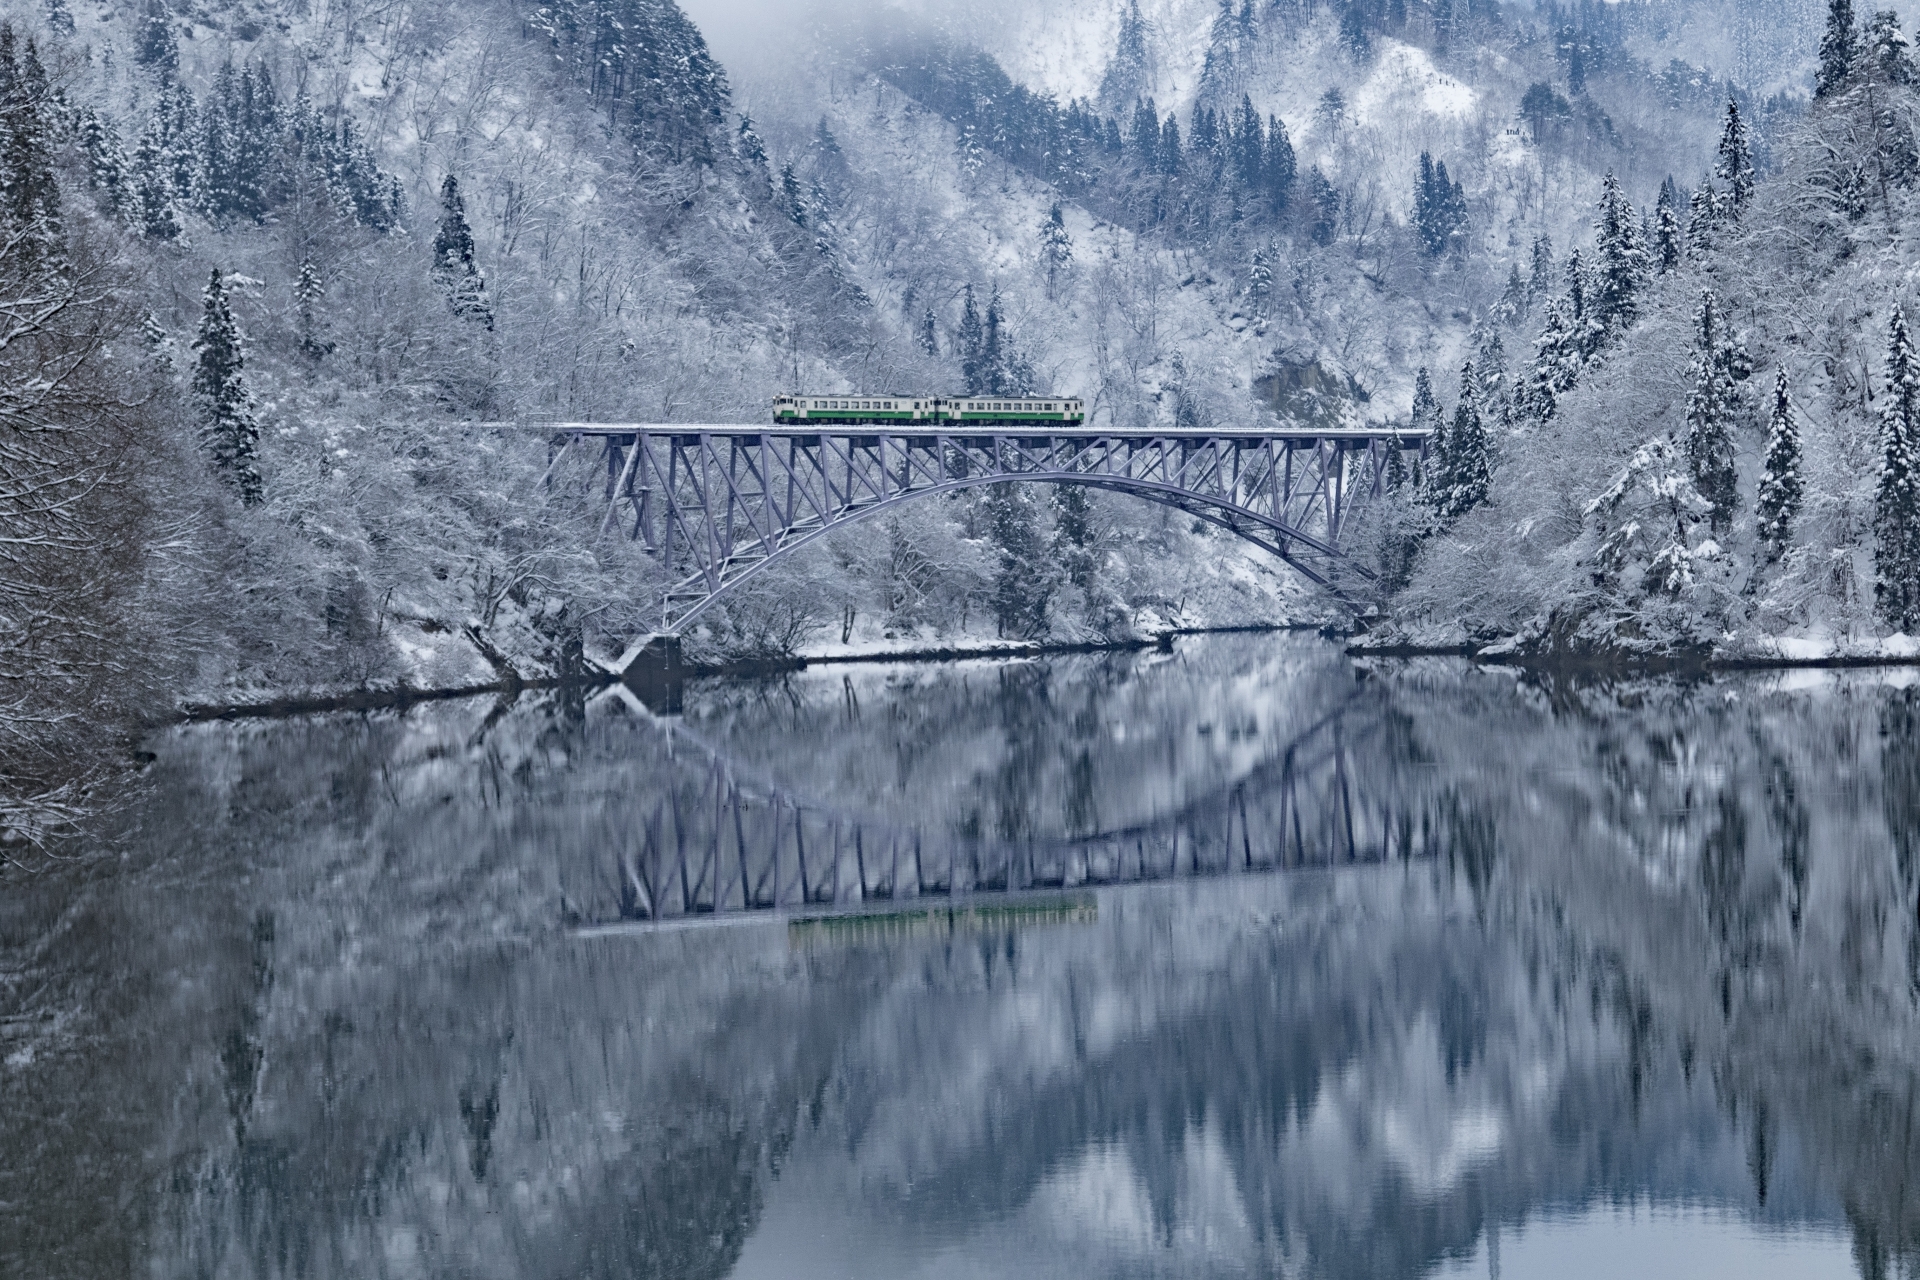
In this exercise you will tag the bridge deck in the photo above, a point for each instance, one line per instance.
(930, 430)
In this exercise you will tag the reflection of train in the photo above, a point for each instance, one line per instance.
(890, 409)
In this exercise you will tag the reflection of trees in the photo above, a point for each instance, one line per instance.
(1669, 949)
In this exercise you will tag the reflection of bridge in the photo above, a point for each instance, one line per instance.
(722, 842)
(715, 504)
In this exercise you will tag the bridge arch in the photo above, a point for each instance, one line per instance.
(717, 505)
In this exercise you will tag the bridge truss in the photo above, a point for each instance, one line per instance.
(714, 505)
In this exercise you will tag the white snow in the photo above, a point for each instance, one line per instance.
(1404, 76)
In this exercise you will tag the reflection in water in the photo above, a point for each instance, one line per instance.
(1569, 973)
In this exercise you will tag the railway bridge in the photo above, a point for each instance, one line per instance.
(714, 505)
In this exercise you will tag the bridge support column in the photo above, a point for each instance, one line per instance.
(656, 674)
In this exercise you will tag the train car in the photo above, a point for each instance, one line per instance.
(897, 410)
(989, 411)
(887, 410)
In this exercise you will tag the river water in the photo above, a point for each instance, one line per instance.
(1241, 960)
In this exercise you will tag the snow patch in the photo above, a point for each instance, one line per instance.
(1404, 76)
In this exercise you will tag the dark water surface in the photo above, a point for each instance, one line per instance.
(1246, 960)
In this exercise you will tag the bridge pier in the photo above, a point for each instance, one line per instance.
(655, 672)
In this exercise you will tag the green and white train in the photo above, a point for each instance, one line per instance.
(892, 410)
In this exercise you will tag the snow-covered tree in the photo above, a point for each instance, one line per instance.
(453, 258)
(1542, 272)
(29, 193)
(1782, 489)
(1838, 49)
(1056, 246)
(308, 293)
(106, 161)
(1667, 236)
(1620, 267)
(1439, 207)
(1557, 363)
(1460, 471)
(227, 425)
(1896, 507)
(972, 337)
(930, 333)
(1713, 410)
(1734, 167)
(157, 45)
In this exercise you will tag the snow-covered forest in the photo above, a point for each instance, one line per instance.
(289, 286)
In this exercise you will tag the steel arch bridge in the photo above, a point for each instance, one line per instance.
(714, 505)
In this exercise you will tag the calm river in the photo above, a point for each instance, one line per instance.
(1240, 960)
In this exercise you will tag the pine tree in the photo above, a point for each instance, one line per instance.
(29, 193)
(227, 425)
(1556, 365)
(1712, 407)
(1621, 267)
(1781, 488)
(1172, 153)
(308, 293)
(1838, 49)
(1513, 299)
(453, 260)
(157, 45)
(1426, 409)
(1734, 168)
(1129, 74)
(973, 365)
(1056, 246)
(930, 333)
(1462, 472)
(1896, 507)
(1496, 396)
(1074, 534)
(1666, 231)
(59, 17)
(150, 201)
(993, 351)
(1260, 285)
(106, 162)
(1886, 46)
(1281, 166)
(1439, 207)
(792, 202)
(1541, 272)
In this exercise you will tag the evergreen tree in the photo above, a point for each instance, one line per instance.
(1260, 285)
(1462, 470)
(1281, 166)
(1620, 269)
(1074, 536)
(29, 193)
(792, 202)
(930, 333)
(1838, 49)
(308, 293)
(1666, 231)
(1129, 74)
(157, 45)
(1513, 299)
(1022, 587)
(1712, 409)
(1249, 146)
(59, 17)
(1556, 365)
(973, 364)
(1708, 209)
(1323, 208)
(1056, 246)
(994, 355)
(106, 161)
(751, 150)
(1781, 488)
(1439, 207)
(1896, 507)
(453, 260)
(1172, 154)
(1396, 469)
(1887, 48)
(1734, 168)
(1426, 408)
(1541, 272)
(1496, 396)
(227, 425)
(150, 202)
